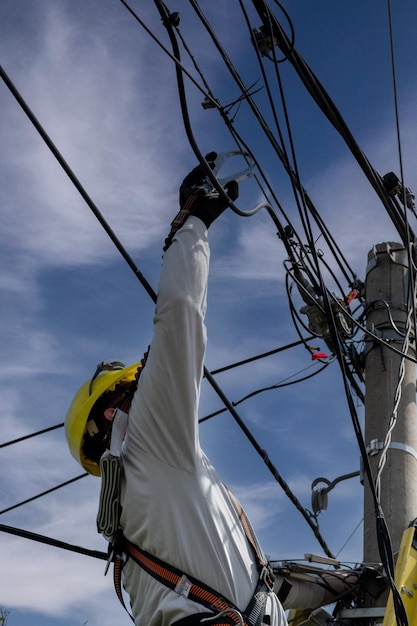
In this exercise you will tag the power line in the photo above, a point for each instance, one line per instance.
(26, 534)
(57, 154)
(39, 432)
(259, 356)
(327, 106)
(213, 373)
(44, 493)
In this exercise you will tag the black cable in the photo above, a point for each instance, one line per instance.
(213, 373)
(44, 493)
(253, 106)
(39, 432)
(292, 31)
(76, 183)
(264, 455)
(167, 19)
(223, 110)
(395, 94)
(412, 278)
(280, 151)
(327, 106)
(26, 534)
(206, 93)
(334, 248)
(259, 356)
(383, 538)
(296, 180)
(285, 383)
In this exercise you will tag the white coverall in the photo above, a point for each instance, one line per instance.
(173, 503)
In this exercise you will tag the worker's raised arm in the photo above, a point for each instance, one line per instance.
(164, 411)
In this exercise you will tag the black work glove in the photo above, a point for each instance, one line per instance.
(198, 197)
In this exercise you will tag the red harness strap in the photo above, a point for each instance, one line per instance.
(117, 579)
(263, 565)
(184, 584)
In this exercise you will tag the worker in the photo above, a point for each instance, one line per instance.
(171, 506)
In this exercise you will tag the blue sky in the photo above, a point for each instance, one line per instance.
(107, 96)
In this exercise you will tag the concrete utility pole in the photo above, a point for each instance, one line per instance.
(388, 301)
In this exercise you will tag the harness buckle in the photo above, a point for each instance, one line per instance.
(267, 577)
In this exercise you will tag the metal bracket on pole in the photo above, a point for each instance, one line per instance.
(375, 446)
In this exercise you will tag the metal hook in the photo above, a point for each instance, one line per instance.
(210, 619)
(239, 176)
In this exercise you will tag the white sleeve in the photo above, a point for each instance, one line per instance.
(163, 419)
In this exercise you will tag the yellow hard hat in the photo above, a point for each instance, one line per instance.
(106, 378)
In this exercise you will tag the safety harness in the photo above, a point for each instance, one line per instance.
(222, 611)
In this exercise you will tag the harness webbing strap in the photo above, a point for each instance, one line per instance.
(183, 584)
(117, 579)
(250, 535)
(190, 587)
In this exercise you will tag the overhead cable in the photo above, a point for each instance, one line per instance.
(327, 106)
(44, 493)
(411, 239)
(26, 534)
(57, 154)
(260, 356)
(39, 432)
(284, 383)
(219, 370)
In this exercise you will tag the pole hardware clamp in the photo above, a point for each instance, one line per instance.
(387, 335)
(375, 446)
